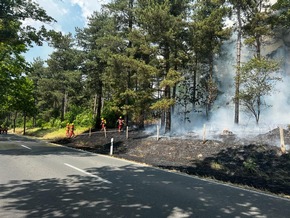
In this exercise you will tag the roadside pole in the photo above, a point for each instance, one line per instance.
(111, 148)
(157, 132)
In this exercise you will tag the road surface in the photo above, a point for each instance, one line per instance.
(38, 179)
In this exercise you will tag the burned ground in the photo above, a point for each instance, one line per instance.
(255, 162)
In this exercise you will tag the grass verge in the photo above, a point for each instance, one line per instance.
(49, 133)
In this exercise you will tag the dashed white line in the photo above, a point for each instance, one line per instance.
(90, 174)
(26, 147)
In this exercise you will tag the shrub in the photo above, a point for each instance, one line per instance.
(250, 165)
(85, 119)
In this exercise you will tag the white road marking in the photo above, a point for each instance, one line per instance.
(26, 147)
(90, 174)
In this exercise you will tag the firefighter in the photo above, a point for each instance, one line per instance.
(67, 128)
(72, 129)
(120, 122)
(103, 124)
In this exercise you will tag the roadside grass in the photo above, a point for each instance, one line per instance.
(49, 133)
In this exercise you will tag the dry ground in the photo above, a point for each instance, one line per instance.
(253, 162)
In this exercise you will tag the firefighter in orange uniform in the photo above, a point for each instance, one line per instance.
(120, 122)
(67, 130)
(72, 131)
(103, 124)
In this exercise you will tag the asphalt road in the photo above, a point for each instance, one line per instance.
(38, 179)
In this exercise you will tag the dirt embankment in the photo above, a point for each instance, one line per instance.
(257, 162)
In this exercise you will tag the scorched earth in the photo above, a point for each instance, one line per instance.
(255, 162)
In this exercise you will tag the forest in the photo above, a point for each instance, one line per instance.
(164, 61)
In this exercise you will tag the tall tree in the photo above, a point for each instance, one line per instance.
(210, 32)
(130, 69)
(258, 78)
(95, 40)
(36, 73)
(257, 27)
(280, 20)
(252, 24)
(15, 38)
(64, 79)
(21, 99)
(238, 6)
(257, 32)
(163, 23)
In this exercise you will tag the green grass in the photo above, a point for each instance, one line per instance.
(49, 133)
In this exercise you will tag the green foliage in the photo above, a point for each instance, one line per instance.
(173, 77)
(12, 15)
(21, 96)
(84, 119)
(258, 78)
(162, 104)
(111, 113)
(53, 123)
(250, 165)
(6, 123)
(16, 90)
(40, 123)
(281, 18)
(131, 60)
(73, 113)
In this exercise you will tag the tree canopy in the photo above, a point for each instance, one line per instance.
(141, 59)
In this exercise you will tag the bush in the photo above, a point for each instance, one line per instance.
(53, 122)
(250, 165)
(73, 112)
(85, 119)
(111, 113)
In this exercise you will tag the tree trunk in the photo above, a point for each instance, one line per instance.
(162, 119)
(65, 103)
(167, 93)
(210, 89)
(99, 103)
(99, 109)
(63, 106)
(34, 121)
(130, 25)
(175, 68)
(194, 83)
(258, 47)
(14, 125)
(24, 123)
(14, 122)
(237, 78)
(168, 111)
(141, 125)
(173, 96)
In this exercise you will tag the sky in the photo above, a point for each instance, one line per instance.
(69, 15)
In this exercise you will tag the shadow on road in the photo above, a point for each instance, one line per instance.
(133, 192)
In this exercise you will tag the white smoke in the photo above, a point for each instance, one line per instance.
(277, 114)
